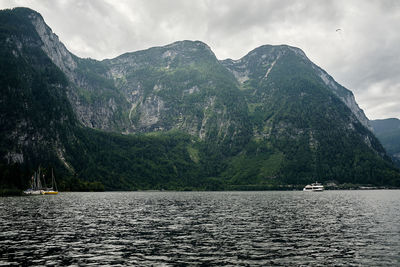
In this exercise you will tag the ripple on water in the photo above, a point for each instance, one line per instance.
(210, 228)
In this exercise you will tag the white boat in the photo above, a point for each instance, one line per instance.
(36, 185)
(31, 191)
(314, 187)
(38, 189)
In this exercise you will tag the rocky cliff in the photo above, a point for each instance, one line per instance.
(126, 85)
(270, 118)
(35, 115)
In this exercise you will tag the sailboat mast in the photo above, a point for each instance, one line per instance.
(39, 184)
(53, 181)
(34, 183)
(44, 181)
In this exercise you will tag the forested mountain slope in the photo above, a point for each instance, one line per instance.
(176, 117)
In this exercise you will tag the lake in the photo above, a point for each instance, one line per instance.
(269, 228)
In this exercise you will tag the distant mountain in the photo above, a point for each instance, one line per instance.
(388, 132)
(385, 125)
(176, 117)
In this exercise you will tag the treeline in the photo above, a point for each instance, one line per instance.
(132, 162)
(74, 184)
(176, 161)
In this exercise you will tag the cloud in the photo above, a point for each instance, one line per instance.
(364, 56)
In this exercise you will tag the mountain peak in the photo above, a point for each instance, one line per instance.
(24, 11)
(270, 118)
(190, 47)
(188, 44)
(180, 52)
(275, 50)
(23, 14)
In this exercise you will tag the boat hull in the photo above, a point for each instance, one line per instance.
(50, 192)
(40, 192)
(315, 187)
(33, 192)
(313, 190)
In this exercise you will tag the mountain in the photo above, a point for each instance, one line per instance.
(39, 125)
(176, 117)
(36, 118)
(388, 132)
(385, 125)
(303, 113)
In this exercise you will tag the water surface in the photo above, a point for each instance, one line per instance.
(339, 228)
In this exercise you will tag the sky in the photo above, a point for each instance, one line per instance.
(356, 41)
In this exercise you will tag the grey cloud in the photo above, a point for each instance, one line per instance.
(364, 56)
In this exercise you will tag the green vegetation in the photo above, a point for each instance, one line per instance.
(135, 161)
(209, 132)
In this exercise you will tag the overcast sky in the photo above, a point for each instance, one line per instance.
(364, 55)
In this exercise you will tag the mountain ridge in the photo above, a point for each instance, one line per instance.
(270, 118)
(63, 59)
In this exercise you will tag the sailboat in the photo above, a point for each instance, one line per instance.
(38, 189)
(53, 189)
(36, 185)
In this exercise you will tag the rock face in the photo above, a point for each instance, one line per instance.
(85, 85)
(129, 97)
(272, 117)
(345, 95)
(35, 113)
(51, 45)
(265, 57)
(177, 86)
(134, 92)
(264, 73)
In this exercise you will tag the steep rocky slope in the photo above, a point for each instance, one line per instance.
(95, 100)
(180, 86)
(312, 122)
(40, 127)
(257, 65)
(268, 119)
(36, 119)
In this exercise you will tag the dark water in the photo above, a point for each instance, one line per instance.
(359, 228)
